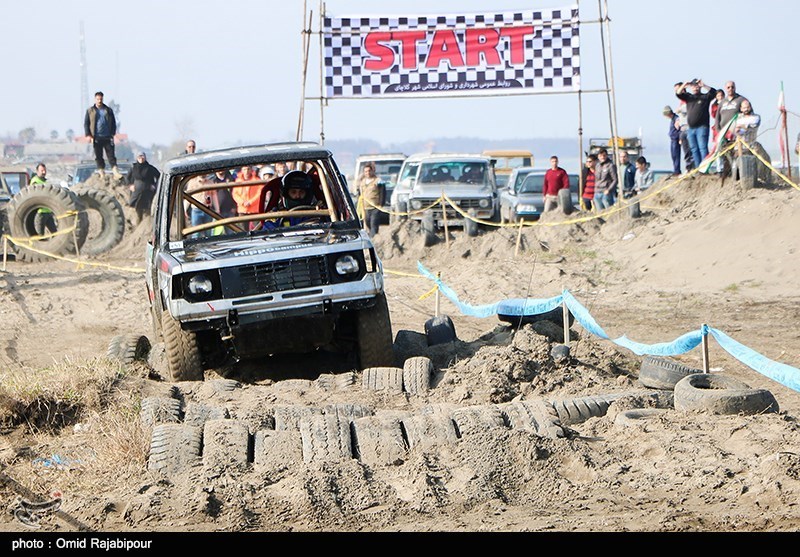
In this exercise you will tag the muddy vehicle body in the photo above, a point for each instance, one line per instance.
(220, 291)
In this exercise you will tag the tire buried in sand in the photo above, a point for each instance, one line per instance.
(719, 394)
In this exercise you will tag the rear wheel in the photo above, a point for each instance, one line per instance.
(375, 347)
(183, 353)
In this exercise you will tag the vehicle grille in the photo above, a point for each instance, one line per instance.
(465, 204)
(280, 276)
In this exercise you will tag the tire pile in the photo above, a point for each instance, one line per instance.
(96, 215)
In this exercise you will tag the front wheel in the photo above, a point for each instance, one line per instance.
(183, 353)
(375, 346)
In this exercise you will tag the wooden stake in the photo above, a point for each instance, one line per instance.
(519, 239)
(565, 314)
(705, 350)
(5, 251)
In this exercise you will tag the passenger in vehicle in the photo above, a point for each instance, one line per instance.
(472, 174)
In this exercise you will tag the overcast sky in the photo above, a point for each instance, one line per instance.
(230, 72)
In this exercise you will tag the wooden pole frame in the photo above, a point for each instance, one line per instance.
(705, 349)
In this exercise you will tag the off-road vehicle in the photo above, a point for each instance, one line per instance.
(258, 284)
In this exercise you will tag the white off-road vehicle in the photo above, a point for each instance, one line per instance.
(276, 280)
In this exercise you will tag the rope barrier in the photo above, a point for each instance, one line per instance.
(80, 263)
(779, 372)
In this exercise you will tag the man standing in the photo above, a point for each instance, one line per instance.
(101, 126)
(555, 179)
(142, 182)
(191, 147)
(44, 221)
(373, 193)
(728, 110)
(674, 139)
(627, 172)
(698, 106)
(605, 189)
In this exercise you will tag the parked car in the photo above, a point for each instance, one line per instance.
(522, 198)
(504, 161)
(85, 169)
(280, 281)
(466, 179)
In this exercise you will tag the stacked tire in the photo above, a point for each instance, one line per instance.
(106, 220)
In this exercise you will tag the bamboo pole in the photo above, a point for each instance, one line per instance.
(705, 349)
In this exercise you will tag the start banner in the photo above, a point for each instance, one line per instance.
(457, 54)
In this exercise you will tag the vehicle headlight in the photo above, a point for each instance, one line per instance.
(416, 204)
(526, 208)
(484, 203)
(347, 265)
(200, 285)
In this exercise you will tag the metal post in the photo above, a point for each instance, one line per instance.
(305, 34)
(321, 74)
(565, 314)
(705, 349)
(444, 219)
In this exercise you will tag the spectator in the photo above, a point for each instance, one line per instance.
(196, 215)
(684, 136)
(142, 180)
(729, 108)
(248, 197)
(715, 104)
(555, 180)
(643, 178)
(225, 200)
(698, 113)
(746, 126)
(627, 172)
(44, 221)
(605, 193)
(191, 147)
(280, 169)
(589, 180)
(101, 126)
(373, 192)
(674, 139)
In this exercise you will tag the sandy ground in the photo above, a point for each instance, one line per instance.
(701, 253)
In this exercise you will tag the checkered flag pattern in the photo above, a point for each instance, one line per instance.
(536, 50)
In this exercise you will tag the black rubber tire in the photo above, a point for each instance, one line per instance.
(408, 344)
(634, 210)
(225, 444)
(402, 207)
(22, 211)
(174, 447)
(197, 414)
(719, 394)
(470, 226)
(287, 418)
(132, 348)
(635, 417)
(378, 440)
(183, 353)
(417, 373)
(159, 410)
(536, 415)
(578, 410)
(426, 431)
(440, 330)
(375, 335)
(748, 170)
(471, 420)
(348, 411)
(336, 381)
(429, 237)
(565, 201)
(383, 379)
(658, 372)
(111, 221)
(326, 438)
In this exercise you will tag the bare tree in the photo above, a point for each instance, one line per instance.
(27, 135)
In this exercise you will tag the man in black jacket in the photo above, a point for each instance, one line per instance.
(698, 116)
(142, 178)
(101, 126)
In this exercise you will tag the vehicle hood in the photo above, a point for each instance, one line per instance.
(212, 250)
(458, 191)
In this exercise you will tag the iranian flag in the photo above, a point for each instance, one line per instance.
(783, 133)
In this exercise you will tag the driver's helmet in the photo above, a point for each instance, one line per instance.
(300, 180)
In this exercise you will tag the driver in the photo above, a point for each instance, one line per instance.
(297, 191)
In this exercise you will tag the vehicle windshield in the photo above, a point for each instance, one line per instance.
(521, 175)
(532, 184)
(444, 172)
(408, 173)
(512, 162)
(256, 199)
(15, 181)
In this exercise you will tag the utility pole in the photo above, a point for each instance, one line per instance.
(84, 75)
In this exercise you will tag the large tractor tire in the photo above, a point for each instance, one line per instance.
(23, 217)
(106, 221)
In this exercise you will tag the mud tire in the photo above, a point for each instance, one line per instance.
(183, 354)
(375, 347)
(112, 220)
